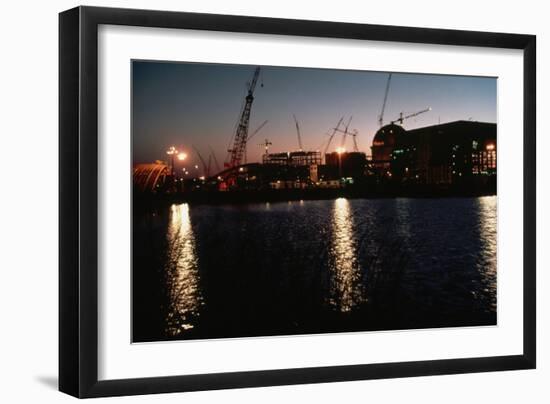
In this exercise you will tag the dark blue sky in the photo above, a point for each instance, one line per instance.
(190, 104)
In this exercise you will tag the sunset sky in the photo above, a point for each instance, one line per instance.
(190, 104)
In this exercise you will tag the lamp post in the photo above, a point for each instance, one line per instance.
(171, 152)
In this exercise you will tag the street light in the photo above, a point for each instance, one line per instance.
(182, 156)
(171, 152)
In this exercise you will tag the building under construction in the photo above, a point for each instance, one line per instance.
(461, 152)
(439, 156)
(295, 158)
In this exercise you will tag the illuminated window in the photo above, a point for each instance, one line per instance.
(484, 161)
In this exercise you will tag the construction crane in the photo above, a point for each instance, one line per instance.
(259, 128)
(236, 153)
(402, 118)
(331, 136)
(298, 133)
(205, 167)
(266, 144)
(218, 169)
(381, 116)
(354, 137)
(209, 165)
(345, 132)
(322, 145)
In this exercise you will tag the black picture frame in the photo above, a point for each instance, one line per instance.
(78, 201)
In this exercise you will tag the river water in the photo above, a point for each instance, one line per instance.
(313, 267)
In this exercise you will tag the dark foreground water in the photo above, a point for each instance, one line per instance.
(313, 267)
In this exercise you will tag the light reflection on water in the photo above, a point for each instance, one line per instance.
(311, 263)
(488, 232)
(403, 219)
(182, 272)
(346, 288)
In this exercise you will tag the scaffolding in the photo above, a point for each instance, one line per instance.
(294, 159)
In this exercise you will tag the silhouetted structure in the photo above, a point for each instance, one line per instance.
(295, 158)
(151, 177)
(347, 164)
(383, 144)
(455, 158)
(461, 152)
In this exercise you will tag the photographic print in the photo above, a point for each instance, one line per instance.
(274, 201)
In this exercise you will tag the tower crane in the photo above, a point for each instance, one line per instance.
(354, 136)
(236, 153)
(205, 167)
(331, 136)
(381, 116)
(266, 144)
(259, 128)
(345, 132)
(298, 133)
(402, 118)
(218, 169)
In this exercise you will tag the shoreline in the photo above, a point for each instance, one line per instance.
(255, 196)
